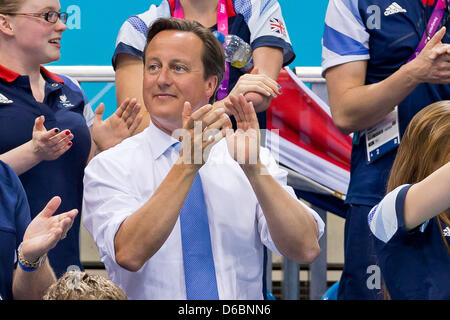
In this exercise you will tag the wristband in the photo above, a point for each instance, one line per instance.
(29, 266)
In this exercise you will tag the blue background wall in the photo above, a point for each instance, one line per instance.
(93, 26)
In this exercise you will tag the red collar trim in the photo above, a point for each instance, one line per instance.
(52, 76)
(10, 76)
(428, 2)
(230, 7)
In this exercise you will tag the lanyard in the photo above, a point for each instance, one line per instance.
(432, 27)
(222, 26)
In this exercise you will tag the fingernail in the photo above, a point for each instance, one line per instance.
(69, 143)
(67, 132)
(56, 130)
(278, 85)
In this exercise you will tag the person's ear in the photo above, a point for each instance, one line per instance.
(211, 84)
(5, 25)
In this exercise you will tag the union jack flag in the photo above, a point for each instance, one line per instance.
(277, 26)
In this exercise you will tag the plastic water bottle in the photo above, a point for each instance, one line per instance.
(237, 52)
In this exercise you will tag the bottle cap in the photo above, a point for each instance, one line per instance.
(220, 36)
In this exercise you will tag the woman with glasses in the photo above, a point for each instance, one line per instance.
(48, 132)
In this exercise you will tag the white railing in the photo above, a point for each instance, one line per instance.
(106, 73)
(86, 73)
(310, 74)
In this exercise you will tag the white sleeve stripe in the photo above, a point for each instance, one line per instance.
(267, 4)
(341, 19)
(383, 221)
(134, 31)
(332, 55)
(341, 60)
(131, 37)
(352, 5)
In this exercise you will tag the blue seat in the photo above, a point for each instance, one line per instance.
(332, 292)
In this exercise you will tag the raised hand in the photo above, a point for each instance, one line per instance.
(432, 65)
(202, 129)
(45, 230)
(51, 144)
(119, 126)
(243, 144)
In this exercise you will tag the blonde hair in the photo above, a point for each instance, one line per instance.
(77, 285)
(424, 148)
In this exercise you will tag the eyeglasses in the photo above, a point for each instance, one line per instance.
(50, 16)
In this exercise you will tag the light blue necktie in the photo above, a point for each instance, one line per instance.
(198, 260)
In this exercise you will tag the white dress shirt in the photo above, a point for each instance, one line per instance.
(120, 180)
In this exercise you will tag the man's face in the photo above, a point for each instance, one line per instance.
(173, 74)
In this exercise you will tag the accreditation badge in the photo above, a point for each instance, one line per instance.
(383, 137)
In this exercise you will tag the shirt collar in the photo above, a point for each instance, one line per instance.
(160, 141)
(8, 75)
(52, 76)
(11, 76)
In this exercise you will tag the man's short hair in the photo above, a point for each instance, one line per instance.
(77, 285)
(213, 57)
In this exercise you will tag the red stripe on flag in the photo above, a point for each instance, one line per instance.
(302, 121)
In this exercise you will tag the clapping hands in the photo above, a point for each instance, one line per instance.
(119, 126)
(45, 230)
(244, 143)
(51, 144)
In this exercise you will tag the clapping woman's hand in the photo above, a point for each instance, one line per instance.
(49, 144)
(119, 126)
(45, 230)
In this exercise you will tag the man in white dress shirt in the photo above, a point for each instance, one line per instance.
(133, 193)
